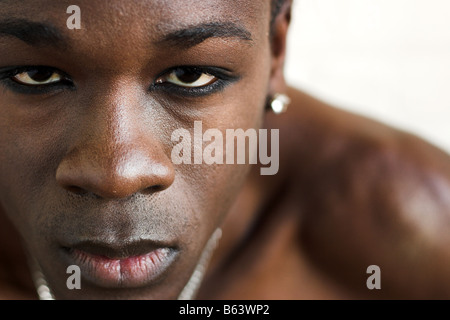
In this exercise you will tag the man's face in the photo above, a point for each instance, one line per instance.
(86, 174)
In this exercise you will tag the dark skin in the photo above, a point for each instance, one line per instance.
(91, 160)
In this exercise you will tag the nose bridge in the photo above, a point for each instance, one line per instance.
(115, 153)
(115, 121)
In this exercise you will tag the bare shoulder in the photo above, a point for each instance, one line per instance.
(370, 195)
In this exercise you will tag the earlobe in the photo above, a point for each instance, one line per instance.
(279, 33)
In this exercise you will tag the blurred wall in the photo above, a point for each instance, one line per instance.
(388, 59)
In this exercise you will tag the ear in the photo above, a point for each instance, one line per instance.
(278, 49)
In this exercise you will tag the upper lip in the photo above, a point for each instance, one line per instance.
(118, 251)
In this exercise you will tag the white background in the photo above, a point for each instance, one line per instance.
(387, 59)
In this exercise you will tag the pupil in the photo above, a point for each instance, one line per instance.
(188, 75)
(40, 75)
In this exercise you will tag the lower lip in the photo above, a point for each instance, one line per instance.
(131, 272)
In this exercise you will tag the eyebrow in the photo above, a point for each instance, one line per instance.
(194, 35)
(33, 33)
(44, 34)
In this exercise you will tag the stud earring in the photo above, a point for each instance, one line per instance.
(280, 103)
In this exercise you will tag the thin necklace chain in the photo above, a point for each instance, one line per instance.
(191, 288)
(40, 283)
(188, 293)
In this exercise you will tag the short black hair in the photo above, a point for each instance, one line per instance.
(276, 6)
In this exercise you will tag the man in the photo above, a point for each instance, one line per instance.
(87, 176)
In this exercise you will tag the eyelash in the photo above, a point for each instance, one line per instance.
(224, 78)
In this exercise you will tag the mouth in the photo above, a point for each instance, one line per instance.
(134, 265)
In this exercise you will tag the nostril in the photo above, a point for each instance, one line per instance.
(153, 189)
(76, 190)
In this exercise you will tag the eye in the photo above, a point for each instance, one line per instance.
(188, 77)
(38, 77)
(194, 81)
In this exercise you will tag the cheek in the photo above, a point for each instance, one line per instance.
(29, 151)
(210, 174)
(212, 189)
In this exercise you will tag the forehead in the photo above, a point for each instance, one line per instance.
(151, 16)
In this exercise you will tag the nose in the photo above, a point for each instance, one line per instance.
(114, 154)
